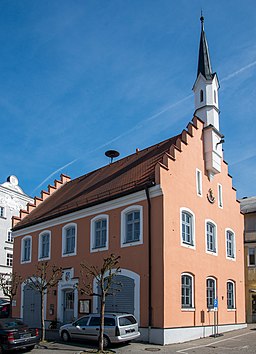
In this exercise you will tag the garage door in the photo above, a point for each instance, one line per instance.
(122, 300)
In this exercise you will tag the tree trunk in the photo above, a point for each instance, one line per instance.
(102, 311)
(42, 317)
(10, 313)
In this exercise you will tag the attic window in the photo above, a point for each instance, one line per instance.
(201, 96)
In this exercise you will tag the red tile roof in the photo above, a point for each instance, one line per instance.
(125, 176)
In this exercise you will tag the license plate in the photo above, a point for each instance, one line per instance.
(25, 335)
(130, 330)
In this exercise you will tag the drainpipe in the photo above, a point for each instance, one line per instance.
(149, 266)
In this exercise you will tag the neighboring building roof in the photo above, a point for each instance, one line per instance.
(248, 205)
(204, 64)
(12, 183)
(125, 176)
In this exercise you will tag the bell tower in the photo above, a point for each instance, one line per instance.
(205, 90)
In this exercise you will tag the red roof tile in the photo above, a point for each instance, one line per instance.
(125, 176)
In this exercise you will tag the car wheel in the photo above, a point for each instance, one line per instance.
(65, 336)
(106, 342)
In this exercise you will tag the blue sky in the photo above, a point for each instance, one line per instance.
(81, 77)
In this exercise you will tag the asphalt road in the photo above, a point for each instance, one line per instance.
(241, 341)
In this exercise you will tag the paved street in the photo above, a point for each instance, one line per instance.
(241, 341)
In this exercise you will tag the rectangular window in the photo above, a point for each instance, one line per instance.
(186, 291)
(100, 233)
(9, 236)
(251, 257)
(9, 260)
(199, 182)
(1, 212)
(132, 226)
(220, 201)
(230, 241)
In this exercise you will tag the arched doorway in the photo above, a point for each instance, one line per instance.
(127, 299)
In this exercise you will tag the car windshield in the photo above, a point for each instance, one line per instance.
(126, 321)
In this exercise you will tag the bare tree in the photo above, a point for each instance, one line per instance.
(45, 277)
(104, 277)
(9, 283)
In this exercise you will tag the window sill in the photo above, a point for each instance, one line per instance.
(188, 245)
(189, 309)
(25, 261)
(68, 254)
(131, 243)
(231, 310)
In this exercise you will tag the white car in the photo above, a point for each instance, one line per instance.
(118, 327)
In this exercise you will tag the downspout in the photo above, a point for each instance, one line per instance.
(149, 267)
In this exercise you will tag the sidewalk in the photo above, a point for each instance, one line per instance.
(246, 338)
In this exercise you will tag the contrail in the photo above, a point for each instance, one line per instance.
(239, 71)
(53, 173)
(167, 108)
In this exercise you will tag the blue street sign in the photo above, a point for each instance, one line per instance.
(215, 304)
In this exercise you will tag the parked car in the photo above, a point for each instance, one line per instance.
(4, 309)
(15, 334)
(118, 327)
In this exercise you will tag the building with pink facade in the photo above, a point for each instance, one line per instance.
(170, 212)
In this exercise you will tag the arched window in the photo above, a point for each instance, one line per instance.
(187, 228)
(44, 245)
(26, 248)
(99, 233)
(211, 237)
(230, 244)
(69, 235)
(230, 294)
(210, 292)
(131, 226)
(187, 290)
(201, 95)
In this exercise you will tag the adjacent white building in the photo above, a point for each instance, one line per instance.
(12, 199)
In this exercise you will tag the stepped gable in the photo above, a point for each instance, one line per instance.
(120, 178)
(38, 200)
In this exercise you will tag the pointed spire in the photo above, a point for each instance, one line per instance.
(204, 64)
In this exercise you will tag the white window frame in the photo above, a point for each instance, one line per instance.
(193, 228)
(192, 307)
(248, 256)
(220, 196)
(214, 253)
(9, 235)
(22, 261)
(234, 295)
(123, 226)
(199, 183)
(92, 233)
(2, 211)
(234, 244)
(64, 228)
(40, 245)
(9, 258)
(214, 295)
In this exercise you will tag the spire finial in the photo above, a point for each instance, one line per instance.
(202, 20)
